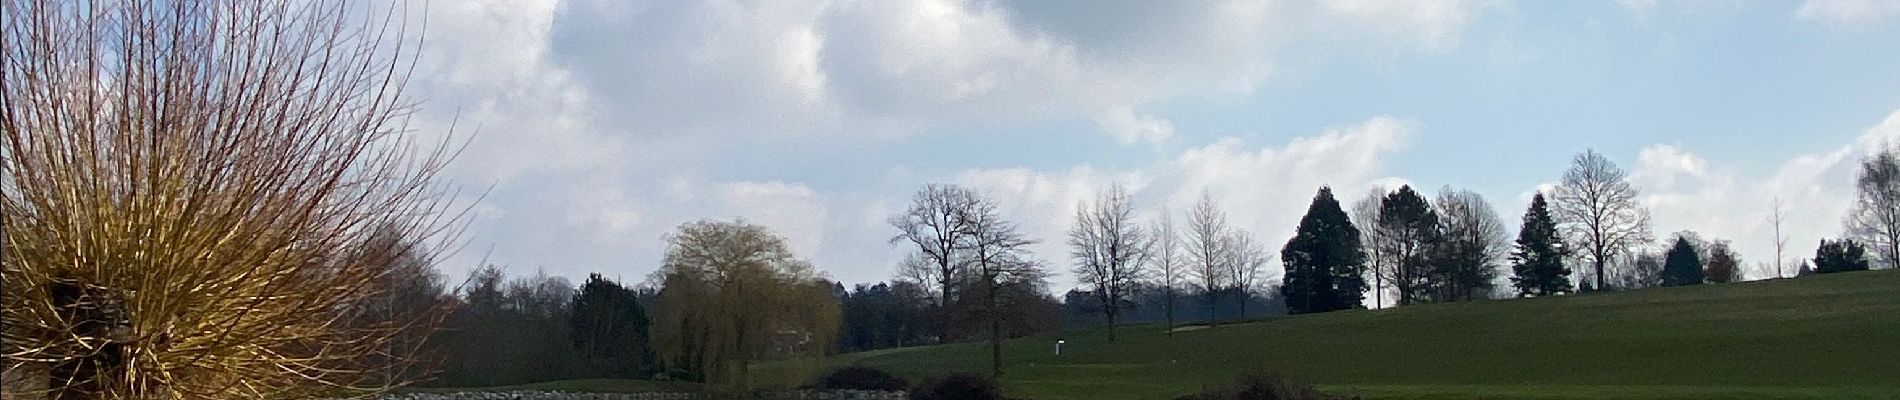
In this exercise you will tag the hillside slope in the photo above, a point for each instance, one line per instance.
(1833, 336)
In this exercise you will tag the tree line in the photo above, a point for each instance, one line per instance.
(247, 213)
(731, 293)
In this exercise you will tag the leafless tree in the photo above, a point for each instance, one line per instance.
(1412, 228)
(1781, 241)
(188, 190)
(999, 256)
(1472, 246)
(1376, 240)
(1599, 211)
(1110, 249)
(1167, 262)
(939, 227)
(1207, 250)
(1641, 269)
(1247, 257)
(538, 294)
(1875, 218)
(1724, 265)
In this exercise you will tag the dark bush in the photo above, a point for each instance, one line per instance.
(1263, 387)
(958, 386)
(862, 378)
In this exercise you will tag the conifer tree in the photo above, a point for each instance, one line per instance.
(1840, 256)
(1323, 260)
(1682, 265)
(1538, 262)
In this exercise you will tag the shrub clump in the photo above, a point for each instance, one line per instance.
(1263, 387)
(862, 378)
(958, 386)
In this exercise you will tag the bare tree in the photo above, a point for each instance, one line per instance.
(1599, 211)
(1781, 241)
(1376, 240)
(938, 224)
(1000, 256)
(1413, 229)
(1723, 264)
(1471, 248)
(1246, 258)
(187, 188)
(1875, 218)
(1166, 262)
(1207, 251)
(1109, 249)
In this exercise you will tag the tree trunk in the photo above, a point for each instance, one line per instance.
(1108, 309)
(1243, 304)
(1600, 280)
(1213, 305)
(1168, 295)
(943, 309)
(996, 333)
(744, 366)
(1599, 265)
(1378, 289)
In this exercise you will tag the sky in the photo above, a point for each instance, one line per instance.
(595, 127)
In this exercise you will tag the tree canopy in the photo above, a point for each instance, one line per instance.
(1323, 260)
(1412, 229)
(1538, 259)
(609, 330)
(734, 293)
(1682, 265)
(1841, 255)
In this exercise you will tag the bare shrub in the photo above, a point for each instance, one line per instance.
(211, 199)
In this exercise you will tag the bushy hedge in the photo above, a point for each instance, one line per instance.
(1263, 387)
(862, 378)
(958, 386)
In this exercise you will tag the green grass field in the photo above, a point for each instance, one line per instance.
(1824, 337)
(579, 385)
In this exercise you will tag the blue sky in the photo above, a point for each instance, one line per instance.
(601, 125)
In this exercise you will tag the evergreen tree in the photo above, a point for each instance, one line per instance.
(1323, 260)
(1538, 262)
(1682, 265)
(609, 330)
(1840, 256)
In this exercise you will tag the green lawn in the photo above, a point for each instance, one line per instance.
(1825, 337)
(579, 385)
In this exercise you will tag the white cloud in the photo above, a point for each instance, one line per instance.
(1130, 128)
(1638, 6)
(792, 210)
(1435, 25)
(1687, 192)
(1848, 12)
(1262, 189)
(597, 121)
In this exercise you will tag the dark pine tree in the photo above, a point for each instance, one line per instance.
(609, 330)
(1538, 261)
(1840, 256)
(1682, 266)
(1323, 260)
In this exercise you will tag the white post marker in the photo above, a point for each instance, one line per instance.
(1059, 346)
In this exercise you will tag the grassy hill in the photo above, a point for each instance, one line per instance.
(1825, 337)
